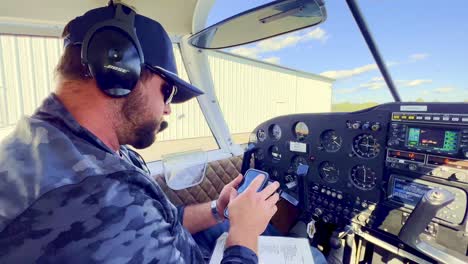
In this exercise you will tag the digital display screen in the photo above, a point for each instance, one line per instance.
(432, 138)
(407, 192)
(455, 163)
(406, 155)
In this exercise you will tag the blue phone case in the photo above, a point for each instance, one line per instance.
(249, 176)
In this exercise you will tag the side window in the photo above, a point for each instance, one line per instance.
(188, 129)
(27, 77)
(252, 91)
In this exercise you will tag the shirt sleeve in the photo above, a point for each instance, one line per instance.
(101, 219)
(239, 255)
(180, 213)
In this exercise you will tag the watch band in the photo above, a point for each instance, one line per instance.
(214, 211)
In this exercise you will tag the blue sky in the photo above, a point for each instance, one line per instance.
(423, 42)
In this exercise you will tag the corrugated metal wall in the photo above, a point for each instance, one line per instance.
(26, 74)
(249, 92)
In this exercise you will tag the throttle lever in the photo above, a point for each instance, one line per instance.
(427, 208)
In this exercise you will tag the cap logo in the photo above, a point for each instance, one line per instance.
(115, 68)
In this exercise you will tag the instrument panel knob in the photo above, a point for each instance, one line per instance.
(361, 218)
(393, 141)
(413, 167)
(375, 127)
(328, 218)
(459, 176)
(318, 211)
(465, 152)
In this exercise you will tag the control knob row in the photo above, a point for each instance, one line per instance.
(328, 218)
(366, 126)
(393, 141)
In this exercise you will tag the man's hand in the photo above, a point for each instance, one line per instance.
(250, 212)
(225, 195)
(198, 217)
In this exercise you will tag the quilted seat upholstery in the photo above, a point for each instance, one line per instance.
(218, 173)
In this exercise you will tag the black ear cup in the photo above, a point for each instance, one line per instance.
(113, 53)
(114, 62)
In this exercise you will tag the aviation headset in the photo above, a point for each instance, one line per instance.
(113, 54)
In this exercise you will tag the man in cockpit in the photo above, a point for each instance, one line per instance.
(72, 192)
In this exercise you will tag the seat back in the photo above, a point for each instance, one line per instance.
(218, 174)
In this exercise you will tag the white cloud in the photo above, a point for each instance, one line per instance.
(318, 34)
(377, 79)
(374, 85)
(418, 56)
(342, 74)
(277, 43)
(447, 89)
(281, 42)
(377, 83)
(414, 83)
(246, 52)
(275, 60)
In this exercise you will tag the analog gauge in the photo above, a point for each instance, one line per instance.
(330, 141)
(296, 161)
(275, 131)
(328, 172)
(366, 146)
(261, 135)
(301, 130)
(363, 177)
(275, 153)
(259, 154)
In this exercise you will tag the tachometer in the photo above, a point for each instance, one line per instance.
(366, 146)
(330, 141)
(328, 172)
(363, 177)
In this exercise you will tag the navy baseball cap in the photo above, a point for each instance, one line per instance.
(154, 41)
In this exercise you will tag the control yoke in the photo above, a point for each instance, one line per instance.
(249, 151)
(427, 208)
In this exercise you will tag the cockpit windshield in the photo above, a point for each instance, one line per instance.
(423, 46)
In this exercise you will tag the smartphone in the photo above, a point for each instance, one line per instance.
(249, 176)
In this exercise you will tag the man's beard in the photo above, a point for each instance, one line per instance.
(141, 133)
(145, 134)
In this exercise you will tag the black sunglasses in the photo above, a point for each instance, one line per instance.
(168, 91)
(168, 88)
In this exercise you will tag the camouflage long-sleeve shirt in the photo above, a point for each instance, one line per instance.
(65, 197)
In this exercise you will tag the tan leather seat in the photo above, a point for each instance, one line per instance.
(218, 173)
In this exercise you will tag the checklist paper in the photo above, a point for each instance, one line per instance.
(273, 250)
